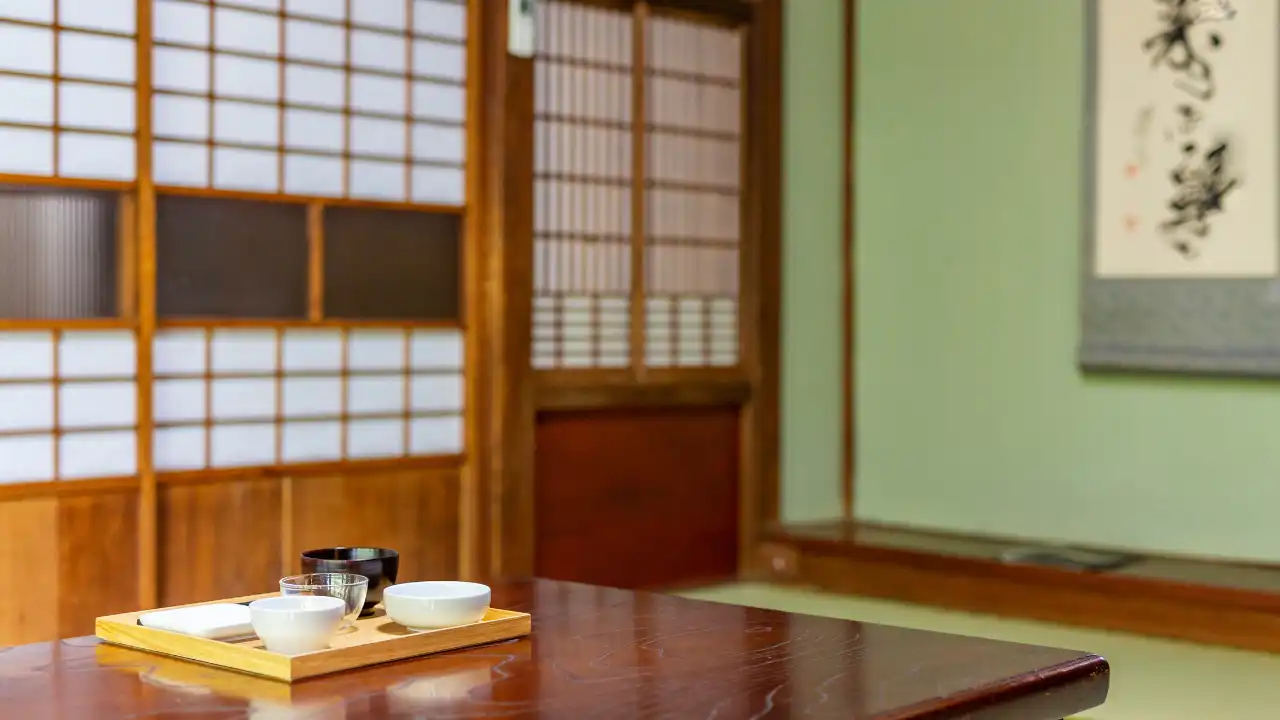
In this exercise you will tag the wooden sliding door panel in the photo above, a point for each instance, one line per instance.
(97, 558)
(637, 497)
(219, 539)
(28, 545)
(412, 511)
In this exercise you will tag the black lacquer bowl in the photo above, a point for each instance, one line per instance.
(380, 565)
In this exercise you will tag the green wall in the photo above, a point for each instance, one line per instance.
(810, 463)
(972, 414)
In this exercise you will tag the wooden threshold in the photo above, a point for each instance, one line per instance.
(1216, 603)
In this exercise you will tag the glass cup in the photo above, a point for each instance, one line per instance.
(350, 588)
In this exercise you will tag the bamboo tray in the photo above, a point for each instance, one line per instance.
(373, 640)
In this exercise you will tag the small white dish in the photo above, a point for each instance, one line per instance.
(296, 624)
(219, 621)
(436, 604)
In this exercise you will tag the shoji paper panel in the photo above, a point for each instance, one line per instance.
(67, 405)
(693, 193)
(582, 187)
(285, 96)
(249, 397)
(67, 88)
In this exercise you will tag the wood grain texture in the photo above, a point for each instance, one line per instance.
(637, 498)
(219, 539)
(414, 512)
(507, 83)
(373, 640)
(97, 558)
(602, 653)
(834, 557)
(28, 536)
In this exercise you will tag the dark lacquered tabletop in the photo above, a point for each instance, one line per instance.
(594, 653)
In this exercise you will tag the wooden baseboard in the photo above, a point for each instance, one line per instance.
(1234, 617)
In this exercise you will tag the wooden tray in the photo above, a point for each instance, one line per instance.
(373, 640)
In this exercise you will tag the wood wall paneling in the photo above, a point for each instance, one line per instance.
(218, 539)
(97, 558)
(412, 511)
(637, 497)
(29, 554)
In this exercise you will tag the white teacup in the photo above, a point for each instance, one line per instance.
(436, 604)
(296, 624)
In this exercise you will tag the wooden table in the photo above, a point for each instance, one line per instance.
(594, 653)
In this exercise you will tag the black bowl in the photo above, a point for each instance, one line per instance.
(380, 565)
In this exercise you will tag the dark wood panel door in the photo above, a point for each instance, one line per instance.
(637, 497)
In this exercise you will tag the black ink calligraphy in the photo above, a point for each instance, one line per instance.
(1201, 184)
(1174, 48)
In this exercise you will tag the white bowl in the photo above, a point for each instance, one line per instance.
(296, 624)
(436, 604)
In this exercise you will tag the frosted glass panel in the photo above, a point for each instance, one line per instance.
(378, 51)
(437, 392)
(97, 405)
(377, 180)
(246, 31)
(97, 107)
(244, 351)
(180, 164)
(95, 57)
(313, 130)
(26, 459)
(312, 397)
(179, 448)
(320, 42)
(26, 407)
(26, 100)
(110, 15)
(26, 152)
(179, 351)
(439, 102)
(312, 441)
(179, 21)
(245, 77)
(377, 94)
(438, 185)
(106, 454)
(179, 400)
(435, 436)
(312, 350)
(241, 445)
(26, 355)
(438, 60)
(40, 11)
(435, 142)
(376, 136)
(238, 122)
(314, 86)
(310, 175)
(180, 117)
(440, 19)
(375, 438)
(375, 350)
(331, 9)
(244, 399)
(435, 350)
(375, 395)
(389, 15)
(26, 49)
(244, 169)
(175, 69)
(96, 156)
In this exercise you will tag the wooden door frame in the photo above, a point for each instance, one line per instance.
(512, 392)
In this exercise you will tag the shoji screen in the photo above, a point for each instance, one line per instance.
(334, 98)
(583, 176)
(692, 193)
(67, 88)
(228, 397)
(67, 360)
(685, 179)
